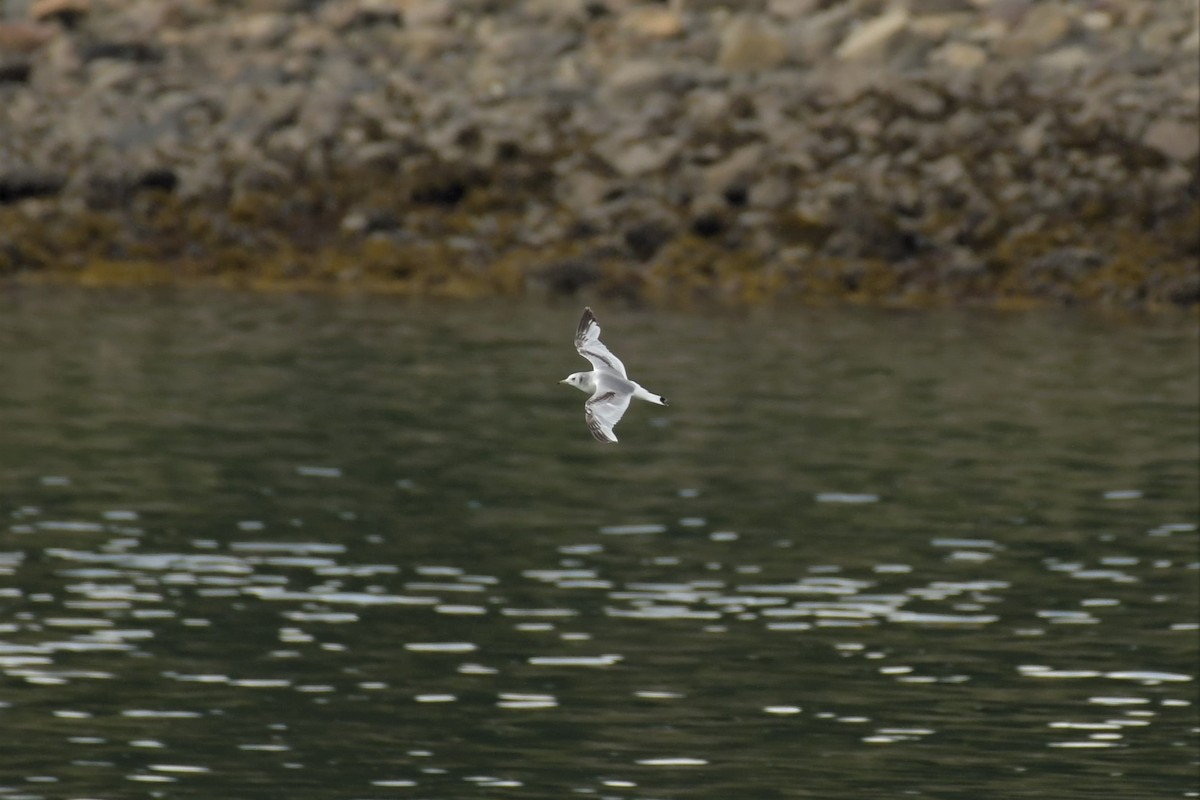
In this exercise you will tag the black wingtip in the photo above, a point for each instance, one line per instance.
(663, 400)
(584, 323)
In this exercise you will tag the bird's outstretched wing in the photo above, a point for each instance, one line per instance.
(604, 410)
(587, 342)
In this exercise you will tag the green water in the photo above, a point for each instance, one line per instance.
(263, 547)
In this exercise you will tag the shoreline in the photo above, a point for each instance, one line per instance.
(996, 153)
(32, 284)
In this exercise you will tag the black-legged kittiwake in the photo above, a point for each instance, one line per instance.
(608, 384)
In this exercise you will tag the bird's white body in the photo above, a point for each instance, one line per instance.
(608, 383)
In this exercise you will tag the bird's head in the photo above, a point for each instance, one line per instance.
(579, 380)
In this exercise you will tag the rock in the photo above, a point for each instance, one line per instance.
(645, 238)
(771, 192)
(557, 13)
(21, 184)
(204, 177)
(263, 175)
(731, 177)
(262, 30)
(1184, 291)
(162, 179)
(939, 26)
(344, 15)
(652, 23)
(750, 43)
(1191, 42)
(372, 220)
(1097, 21)
(386, 155)
(1064, 264)
(24, 37)
(1041, 27)
(583, 191)
(111, 76)
(871, 40)
(428, 13)
(323, 114)
(641, 76)
(792, 9)
(708, 107)
(441, 184)
(817, 35)
(1032, 137)
(132, 50)
(107, 187)
(68, 12)
(282, 6)
(15, 71)
(1176, 178)
(961, 264)
(958, 56)
(918, 99)
(864, 231)
(1008, 13)
(942, 7)
(309, 41)
(948, 171)
(507, 45)
(1160, 37)
(641, 158)
(709, 216)
(1067, 59)
(1178, 141)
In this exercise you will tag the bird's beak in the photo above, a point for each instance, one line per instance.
(564, 380)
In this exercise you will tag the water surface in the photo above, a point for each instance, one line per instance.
(264, 547)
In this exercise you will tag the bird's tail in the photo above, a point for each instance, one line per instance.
(640, 393)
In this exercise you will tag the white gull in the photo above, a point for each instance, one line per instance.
(608, 383)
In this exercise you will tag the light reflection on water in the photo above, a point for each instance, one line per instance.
(265, 548)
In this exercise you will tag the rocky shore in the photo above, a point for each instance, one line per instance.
(913, 152)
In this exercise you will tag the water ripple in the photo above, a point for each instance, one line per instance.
(625, 530)
(516, 700)
(846, 498)
(441, 647)
(275, 593)
(575, 661)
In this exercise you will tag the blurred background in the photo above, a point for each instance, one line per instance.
(292, 504)
(909, 151)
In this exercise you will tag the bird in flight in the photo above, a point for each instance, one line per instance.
(608, 384)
